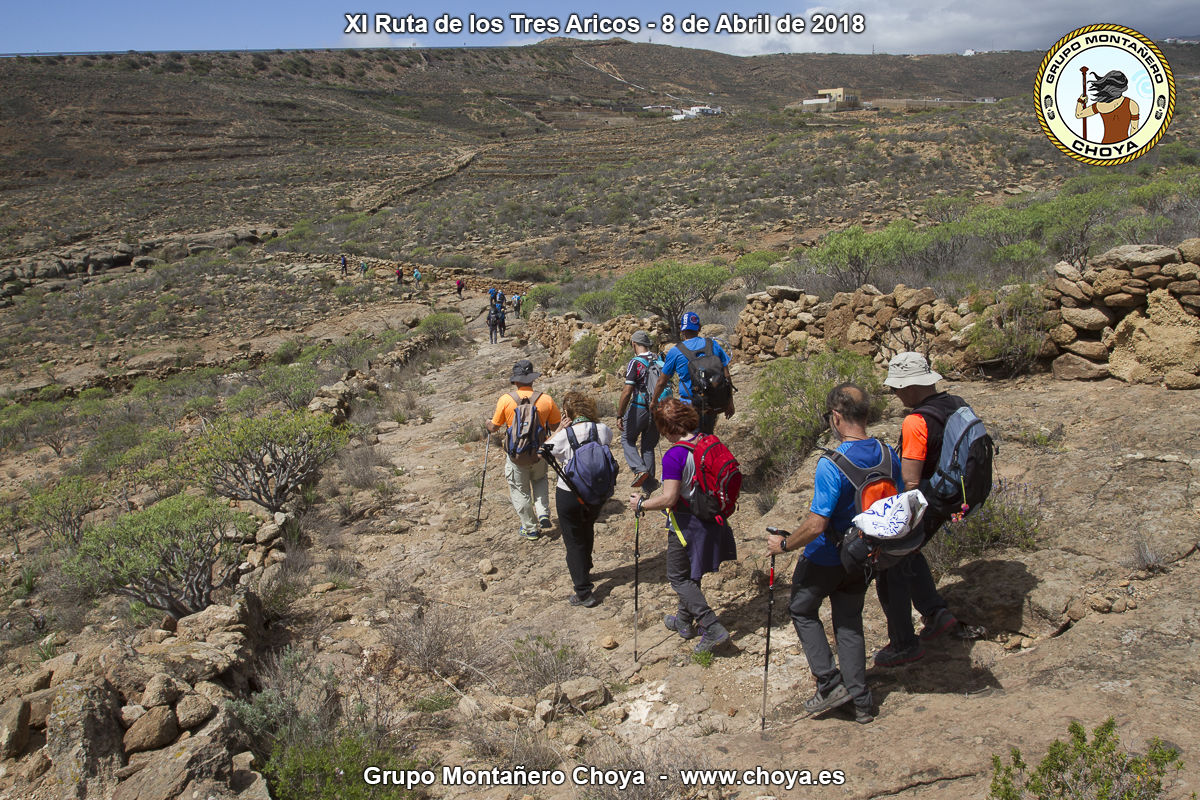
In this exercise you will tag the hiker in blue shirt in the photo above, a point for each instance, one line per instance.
(676, 363)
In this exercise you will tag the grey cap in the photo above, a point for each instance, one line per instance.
(642, 338)
(523, 373)
(910, 369)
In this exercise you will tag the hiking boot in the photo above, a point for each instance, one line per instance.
(891, 657)
(532, 536)
(864, 716)
(589, 601)
(820, 703)
(938, 624)
(685, 630)
(639, 478)
(714, 635)
(544, 522)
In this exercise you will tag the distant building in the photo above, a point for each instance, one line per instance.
(697, 111)
(839, 99)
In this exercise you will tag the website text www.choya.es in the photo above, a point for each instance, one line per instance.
(585, 775)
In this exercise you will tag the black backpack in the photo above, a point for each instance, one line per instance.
(962, 475)
(711, 390)
(860, 552)
(592, 470)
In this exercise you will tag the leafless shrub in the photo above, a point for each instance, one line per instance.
(535, 662)
(359, 466)
(1146, 556)
(661, 759)
(510, 745)
(436, 638)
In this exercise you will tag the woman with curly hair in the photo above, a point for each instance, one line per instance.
(694, 546)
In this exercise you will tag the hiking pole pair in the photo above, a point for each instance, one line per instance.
(770, 611)
(479, 508)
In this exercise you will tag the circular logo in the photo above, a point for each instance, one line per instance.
(1105, 94)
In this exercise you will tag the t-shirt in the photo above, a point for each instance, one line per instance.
(833, 496)
(506, 408)
(676, 466)
(636, 372)
(561, 446)
(914, 438)
(676, 363)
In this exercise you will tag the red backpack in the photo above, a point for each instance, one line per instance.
(718, 480)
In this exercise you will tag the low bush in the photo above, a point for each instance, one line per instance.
(1083, 770)
(172, 556)
(1011, 517)
(540, 661)
(59, 510)
(583, 353)
(443, 327)
(788, 407)
(1011, 334)
(436, 639)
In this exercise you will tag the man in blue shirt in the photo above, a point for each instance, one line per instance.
(820, 574)
(676, 363)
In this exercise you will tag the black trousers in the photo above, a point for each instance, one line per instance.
(577, 523)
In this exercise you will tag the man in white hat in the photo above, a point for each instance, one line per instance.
(910, 583)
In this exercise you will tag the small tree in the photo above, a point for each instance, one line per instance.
(59, 511)
(172, 556)
(11, 520)
(668, 288)
(265, 459)
(294, 385)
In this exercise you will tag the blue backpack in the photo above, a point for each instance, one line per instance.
(592, 470)
(963, 476)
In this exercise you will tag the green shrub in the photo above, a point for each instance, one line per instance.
(294, 385)
(442, 327)
(1010, 518)
(59, 510)
(596, 306)
(788, 407)
(543, 295)
(583, 353)
(1011, 333)
(332, 769)
(526, 271)
(755, 268)
(668, 288)
(540, 661)
(1083, 770)
(171, 556)
(265, 459)
(287, 352)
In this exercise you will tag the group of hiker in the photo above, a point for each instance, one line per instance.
(497, 318)
(399, 271)
(872, 511)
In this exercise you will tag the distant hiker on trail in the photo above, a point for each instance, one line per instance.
(516, 304)
(703, 370)
(458, 287)
(363, 267)
(345, 272)
(499, 299)
(491, 297)
(493, 323)
(594, 473)
(528, 416)
(694, 546)
(819, 572)
(501, 319)
(910, 583)
(417, 277)
(633, 411)
(399, 276)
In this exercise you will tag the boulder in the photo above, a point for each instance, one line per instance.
(83, 740)
(1129, 256)
(585, 694)
(193, 711)
(1109, 281)
(1125, 300)
(14, 728)
(1063, 334)
(161, 690)
(157, 728)
(1091, 350)
(199, 762)
(1179, 379)
(784, 293)
(1070, 367)
(1190, 250)
(1066, 270)
(917, 299)
(1088, 319)
(1148, 346)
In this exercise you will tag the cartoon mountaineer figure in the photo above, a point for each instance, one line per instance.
(1119, 113)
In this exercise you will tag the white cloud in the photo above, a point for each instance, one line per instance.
(372, 40)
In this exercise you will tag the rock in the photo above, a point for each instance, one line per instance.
(1179, 379)
(1184, 287)
(37, 766)
(34, 682)
(83, 740)
(1129, 256)
(784, 293)
(1190, 250)
(323, 588)
(1076, 609)
(486, 567)
(1070, 367)
(1109, 281)
(585, 694)
(917, 299)
(1063, 334)
(1069, 288)
(131, 714)
(193, 711)
(197, 627)
(1092, 351)
(1087, 319)
(40, 703)
(469, 707)
(1125, 300)
(1065, 270)
(1148, 346)
(268, 533)
(543, 711)
(1099, 602)
(157, 728)
(608, 643)
(14, 728)
(161, 690)
(61, 666)
(199, 762)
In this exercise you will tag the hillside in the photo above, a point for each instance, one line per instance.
(170, 279)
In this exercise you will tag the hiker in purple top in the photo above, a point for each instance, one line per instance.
(694, 547)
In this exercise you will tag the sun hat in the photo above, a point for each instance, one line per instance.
(523, 373)
(910, 369)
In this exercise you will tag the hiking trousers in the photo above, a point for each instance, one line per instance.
(811, 584)
(639, 439)
(904, 586)
(692, 603)
(529, 491)
(577, 523)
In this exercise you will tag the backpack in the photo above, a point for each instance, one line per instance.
(592, 470)
(717, 479)
(859, 551)
(654, 371)
(710, 388)
(527, 432)
(963, 475)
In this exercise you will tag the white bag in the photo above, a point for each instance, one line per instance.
(893, 517)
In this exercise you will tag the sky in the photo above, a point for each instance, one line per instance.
(904, 26)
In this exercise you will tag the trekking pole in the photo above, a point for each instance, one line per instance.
(1083, 77)
(770, 611)
(637, 526)
(479, 508)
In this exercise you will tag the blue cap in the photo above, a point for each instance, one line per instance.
(690, 322)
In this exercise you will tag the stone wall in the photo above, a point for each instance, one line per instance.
(557, 334)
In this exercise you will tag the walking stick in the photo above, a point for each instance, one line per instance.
(1083, 78)
(479, 508)
(770, 611)
(637, 526)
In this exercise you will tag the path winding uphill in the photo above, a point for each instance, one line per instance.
(1057, 649)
